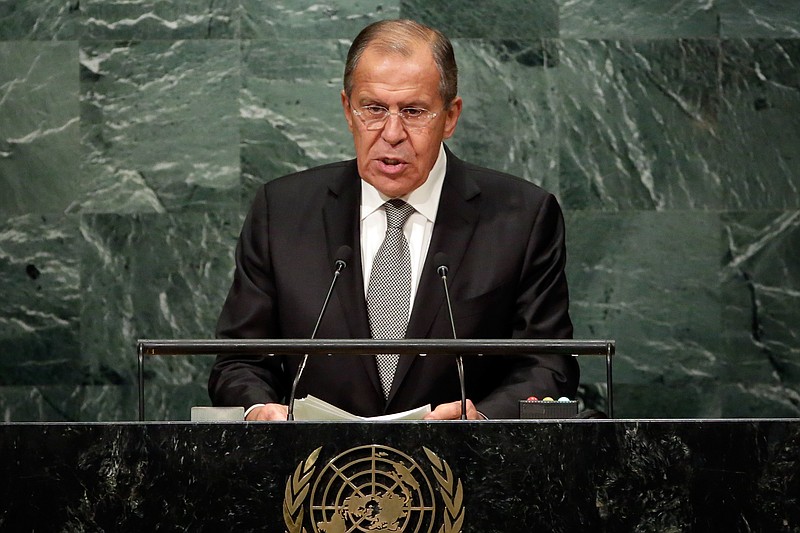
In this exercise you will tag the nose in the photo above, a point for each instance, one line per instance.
(393, 131)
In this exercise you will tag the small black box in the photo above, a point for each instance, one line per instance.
(533, 409)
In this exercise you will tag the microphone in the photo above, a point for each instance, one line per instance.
(441, 260)
(343, 255)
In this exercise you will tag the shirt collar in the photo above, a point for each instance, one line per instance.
(424, 199)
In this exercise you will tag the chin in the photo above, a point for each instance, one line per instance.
(390, 187)
(395, 190)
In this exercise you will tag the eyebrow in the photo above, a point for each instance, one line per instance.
(377, 101)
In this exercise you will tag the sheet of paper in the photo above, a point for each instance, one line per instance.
(312, 408)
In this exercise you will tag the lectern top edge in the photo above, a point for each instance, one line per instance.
(371, 346)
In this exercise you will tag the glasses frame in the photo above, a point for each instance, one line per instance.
(379, 124)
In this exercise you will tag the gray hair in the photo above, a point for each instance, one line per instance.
(397, 36)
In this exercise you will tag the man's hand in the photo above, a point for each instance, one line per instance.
(452, 411)
(268, 412)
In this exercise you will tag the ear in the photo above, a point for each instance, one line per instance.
(348, 116)
(451, 119)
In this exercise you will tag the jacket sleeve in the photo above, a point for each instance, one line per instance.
(541, 312)
(249, 311)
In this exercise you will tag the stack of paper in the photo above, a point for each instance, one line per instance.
(312, 408)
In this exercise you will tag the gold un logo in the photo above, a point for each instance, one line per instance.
(372, 488)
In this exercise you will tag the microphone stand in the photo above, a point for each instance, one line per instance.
(341, 264)
(442, 271)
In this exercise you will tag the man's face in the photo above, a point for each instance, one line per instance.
(393, 159)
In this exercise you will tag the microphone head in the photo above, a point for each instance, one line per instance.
(343, 255)
(441, 261)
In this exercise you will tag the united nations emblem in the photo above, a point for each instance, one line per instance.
(373, 488)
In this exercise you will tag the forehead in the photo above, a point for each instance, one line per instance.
(391, 74)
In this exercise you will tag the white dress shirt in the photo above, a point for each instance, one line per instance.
(418, 229)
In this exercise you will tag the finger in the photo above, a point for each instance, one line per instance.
(437, 413)
(472, 412)
(445, 411)
(452, 411)
(269, 412)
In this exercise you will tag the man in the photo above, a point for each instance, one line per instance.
(503, 237)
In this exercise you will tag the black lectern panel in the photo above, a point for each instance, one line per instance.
(480, 477)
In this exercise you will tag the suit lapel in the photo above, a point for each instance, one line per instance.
(341, 214)
(456, 220)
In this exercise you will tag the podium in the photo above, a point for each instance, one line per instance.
(511, 476)
(477, 477)
(516, 476)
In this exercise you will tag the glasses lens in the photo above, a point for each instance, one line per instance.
(375, 118)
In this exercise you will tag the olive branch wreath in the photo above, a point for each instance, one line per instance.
(450, 488)
(296, 492)
(452, 493)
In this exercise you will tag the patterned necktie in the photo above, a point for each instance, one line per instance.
(389, 290)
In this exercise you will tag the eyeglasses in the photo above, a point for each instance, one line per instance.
(374, 117)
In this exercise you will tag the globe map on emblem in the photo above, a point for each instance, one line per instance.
(372, 488)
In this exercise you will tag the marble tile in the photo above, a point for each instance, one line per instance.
(310, 19)
(649, 281)
(40, 287)
(507, 121)
(291, 111)
(761, 296)
(159, 125)
(156, 277)
(167, 400)
(119, 19)
(759, 400)
(760, 122)
(39, 149)
(671, 398)
(639, 124)
(628, 19)
(759, 18)
(159, 19)
(68, 403)
(39, 19)
(522, 19)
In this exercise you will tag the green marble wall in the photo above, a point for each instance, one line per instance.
(132, 135)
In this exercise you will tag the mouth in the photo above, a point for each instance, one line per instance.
(390, 165)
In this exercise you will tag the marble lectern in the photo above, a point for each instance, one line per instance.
(479, 477)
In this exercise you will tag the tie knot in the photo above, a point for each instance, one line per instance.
(397, 212)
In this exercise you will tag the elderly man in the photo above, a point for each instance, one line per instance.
(404, 200)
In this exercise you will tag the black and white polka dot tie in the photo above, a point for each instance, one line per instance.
(389, 290)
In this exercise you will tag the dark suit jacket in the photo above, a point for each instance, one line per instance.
(505, 241)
